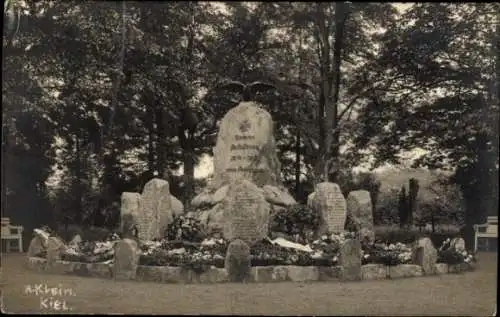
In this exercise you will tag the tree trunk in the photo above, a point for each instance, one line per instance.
(161, 141)
(151, 143)
(188, 177)
(340, 18)
(297, 165)
(328, 110)
(78, 185)
(5, 158)
(433, 223)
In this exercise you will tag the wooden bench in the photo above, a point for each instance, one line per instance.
(10, 232)
(486, 231)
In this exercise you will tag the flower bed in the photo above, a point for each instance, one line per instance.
(181, 261)
(211, 252)
(390, 255)
(451, 255)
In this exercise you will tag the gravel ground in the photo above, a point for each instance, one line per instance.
(470, 294)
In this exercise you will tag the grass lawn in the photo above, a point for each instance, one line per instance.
(471, 294)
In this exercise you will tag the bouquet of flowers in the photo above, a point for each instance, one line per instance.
(90, 251)
(447, 253)
(387, 254)
(185, 228)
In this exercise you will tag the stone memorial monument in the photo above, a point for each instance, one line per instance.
(151, 212)
(245, 150)
(425, 254)
(329, 201)
(350, 260)
(129, 211)
(246, 213)
(359, 209)
(127, 255)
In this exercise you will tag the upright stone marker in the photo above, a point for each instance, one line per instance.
(237, 262)
(55, 247)
(246, 213)
(129, 211)
(425, 254)
(359, 208)
(36, 247)
(155, 211)
(458, 244)
(127, 255)
(330, 203)
(350, 260)
(246, 147)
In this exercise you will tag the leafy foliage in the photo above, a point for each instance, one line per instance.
(99, 97)
(185, 229)
(450, 255)
(295, 220)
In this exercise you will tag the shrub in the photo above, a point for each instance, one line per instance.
(450, 255)
(295, 220)
(395, 235)
(185, 228)
(387, 254)
(386, 211)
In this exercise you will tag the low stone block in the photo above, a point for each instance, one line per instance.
(61, 267)
(82, 269)
(214, 275)
(441, 268)
(373, 271)
(150, 273)
(261, 274)
(175, 274)
(405, 270)
(36, 264)
(303, 273)
(266, 274)
(458, 268)
(329, 273)
(102, 270)
(280, 273)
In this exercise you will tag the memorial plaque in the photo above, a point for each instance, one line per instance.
(246, 213)
(246, 147)
(154, 210)
(330, 203)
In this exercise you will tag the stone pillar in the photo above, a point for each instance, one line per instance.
(350, 260)
(127, 255)
(237, 261)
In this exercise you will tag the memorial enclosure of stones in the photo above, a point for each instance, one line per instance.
(228, 235)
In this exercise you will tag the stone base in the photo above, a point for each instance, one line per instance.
(441, 268)
(405, 270)
(374, 272)
(258, 274)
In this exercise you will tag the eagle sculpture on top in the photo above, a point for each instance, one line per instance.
(248, 91)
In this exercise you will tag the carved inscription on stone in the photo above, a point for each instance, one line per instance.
(331, 204)
(246, 213)
(245, 147)
(154, 209)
